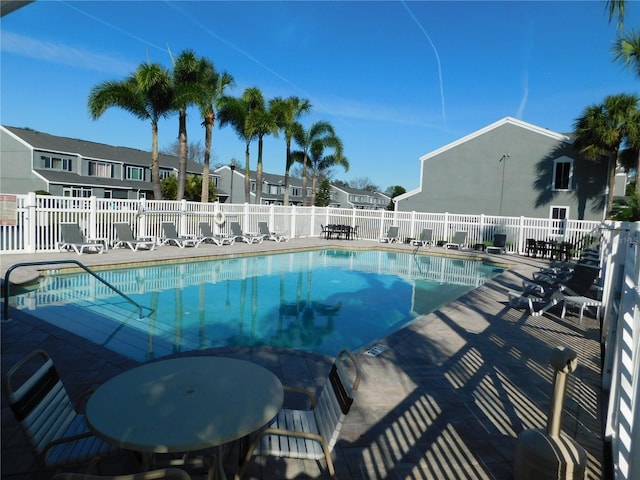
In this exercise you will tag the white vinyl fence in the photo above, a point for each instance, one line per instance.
(31, 223)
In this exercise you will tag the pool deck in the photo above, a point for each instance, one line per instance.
(446, 400)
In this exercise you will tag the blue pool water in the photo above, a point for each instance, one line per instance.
(320, 301)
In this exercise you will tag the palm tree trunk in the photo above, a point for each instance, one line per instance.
(285, 201)
(259, 173)
(247, 171)
(314, 181)
(304, 180)
(155, 165)
(208, 139)
(182, 153)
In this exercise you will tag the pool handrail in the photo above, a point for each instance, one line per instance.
(5, 286)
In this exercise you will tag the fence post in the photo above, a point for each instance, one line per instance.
(142, 218)
(412, 227)
(93, 216)
(294, 212)
(31, 218)
(521, 236)
(381, 232)
(447, 237)
(312, 223)
(183, 217)
(272, 217)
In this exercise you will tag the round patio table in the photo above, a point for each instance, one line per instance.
(184, 404)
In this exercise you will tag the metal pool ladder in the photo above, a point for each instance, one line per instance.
(6, 285)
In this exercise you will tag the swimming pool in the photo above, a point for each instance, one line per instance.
(320, 301)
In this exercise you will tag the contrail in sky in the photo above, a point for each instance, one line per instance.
(444, 114)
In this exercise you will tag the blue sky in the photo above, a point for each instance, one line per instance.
(396, 79)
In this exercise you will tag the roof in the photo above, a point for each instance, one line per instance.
(505, 121)
(94, 150)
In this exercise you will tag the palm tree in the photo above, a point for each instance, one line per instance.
(626, 50)
(321, 164)
(287, 111)
(148, 95)
(602, 130)
(261, 122)
(213, 85)
(235, 111)
(321, 132)
(616, 10)
(187, 92)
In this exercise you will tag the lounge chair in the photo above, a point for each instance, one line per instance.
(236, 231)
(124, 237)
(160, 474)
(392, 236)
(499, 244)
(73, 238)
(207, 235)
(311, 434)
(56, 431)
(424, 239)
(541, 299)
(459, 241)
(263, 229)
(171, 236)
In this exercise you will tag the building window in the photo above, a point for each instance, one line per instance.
(165, 174)
(562, 172)
(295, 192)
(100, 169)
(274, 189)
(69, 191)
(55, 163)
(253, 186)
(558, 215)
(135, 173)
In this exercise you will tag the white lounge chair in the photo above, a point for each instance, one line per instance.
(263, 229)
(459, 241)
(392, 236)
(311, 434)
(124, 237)
(73, 238)
(171, 236)
(207, 235)
(236, 231)
(56, 431)
(499, 244)
(424, 239)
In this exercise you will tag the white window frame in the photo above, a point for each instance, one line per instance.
(131, 169)
(557, 231)
(76, 192)
(101, 169)
(556, 162)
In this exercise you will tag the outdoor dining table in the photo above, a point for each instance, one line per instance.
(340, 231)
(185, 404)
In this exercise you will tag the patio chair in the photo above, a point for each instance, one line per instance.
(73, 238)
(171, 236)
(236, 231)
(459, 241)
(207, 235)
(161, 474)
(263, 229)
(499, 244)
(575, 289)
(531, 248)
(124, 237)
(392, 236)
(311, 434)
(424, 239)
(57, 433)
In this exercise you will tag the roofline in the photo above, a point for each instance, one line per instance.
(494, 125)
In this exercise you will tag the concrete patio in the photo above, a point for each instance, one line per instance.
(445, 401)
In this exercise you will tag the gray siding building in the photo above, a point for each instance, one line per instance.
(32, 161)
(510, 168)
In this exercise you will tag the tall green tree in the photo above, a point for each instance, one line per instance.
(318, 132)
(213, 85)
(321, 163)
(235, 111)
(287, 112)
(187, 92)
(626, 50)
(602, 129)
(148, 95)
(262, 122)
